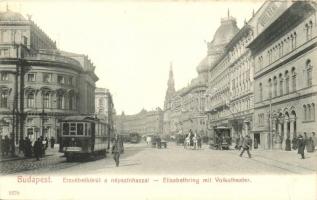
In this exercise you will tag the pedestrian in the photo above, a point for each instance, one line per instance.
(21, 145)
(240, 142)
(314, 139)
(52, 140)
(46, 143)
(28, 147)
(247, 142)
(255, 143)
(116, 151)
(38, 148)
(301, 146)
(43, 142)
(294, 143)
(310, 145)
(2, 145)
(287, 144)
(199, 139)
(6, 145)
(237, 143)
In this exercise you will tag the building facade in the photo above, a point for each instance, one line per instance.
(144, 123)
(285, 76)
(39, 84)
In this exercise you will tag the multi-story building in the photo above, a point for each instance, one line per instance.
(144, 123)
(284, 62)
(39, 84)
(184, 109)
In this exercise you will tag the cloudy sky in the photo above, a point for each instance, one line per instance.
(132, 43)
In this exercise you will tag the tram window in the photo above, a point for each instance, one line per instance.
(88, 129)
(73, 129)
(85, 128)
(80, 129)
(65, 129)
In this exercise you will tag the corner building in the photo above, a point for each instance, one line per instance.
(39, 84)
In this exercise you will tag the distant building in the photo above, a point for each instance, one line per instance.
(39, 84)
(104, 106)
(144, 123)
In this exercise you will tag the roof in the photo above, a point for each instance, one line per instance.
(11, 16)
(226, 31)
(203, 65)
(79, 118)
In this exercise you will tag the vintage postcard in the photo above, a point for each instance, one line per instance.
(159, 99)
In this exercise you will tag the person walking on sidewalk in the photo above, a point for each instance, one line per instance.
(116, 151)
(247, 142)
(38, 148)
(301, 146)
(6, 145)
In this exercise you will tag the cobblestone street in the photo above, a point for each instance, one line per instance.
(142, 159)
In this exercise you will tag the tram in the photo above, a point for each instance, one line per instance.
(82, 136)
(135, 137)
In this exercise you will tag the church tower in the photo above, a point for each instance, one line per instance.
(170, 88)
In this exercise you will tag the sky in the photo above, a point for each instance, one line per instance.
(132, 43)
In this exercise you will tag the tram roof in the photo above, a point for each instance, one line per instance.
(80, 118)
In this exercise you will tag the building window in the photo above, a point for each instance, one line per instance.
(46, 100)
(286, 82)
(4, 76)
(47, 77)
(309, 73)
(270, 88)
(31, 77)
(281, 84)
(4, 100)
(60, 79)
(305, 112)
(60, 101)
(70, 102)
(70, 80)
(30, 99)
(308, 112)
(25, 40)
(293, 79)
(275, 86)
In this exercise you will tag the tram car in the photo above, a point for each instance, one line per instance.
(83, 136)
(135, 137)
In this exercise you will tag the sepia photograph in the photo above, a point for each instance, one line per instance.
(159, 99)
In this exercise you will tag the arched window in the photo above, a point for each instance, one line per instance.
(286, 82)
(4, 100)
(46, 100)
(281, 84)
(293, 79)
(60, 101)
(70, 102)
(30, 100)
(275, 86)
(270, 88)
(309, 73)
(308, 112)
(305, 112)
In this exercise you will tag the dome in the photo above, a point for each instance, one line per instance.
(203, 65)
(226, 31)
(11, 16)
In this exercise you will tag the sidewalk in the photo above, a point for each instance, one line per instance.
(20, 156)
(289, 158)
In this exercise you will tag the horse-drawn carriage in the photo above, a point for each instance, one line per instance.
(157, 142)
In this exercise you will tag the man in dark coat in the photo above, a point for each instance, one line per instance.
(247, 142)
(301, 146)
(38, 148)
(52, 140)
(116, 151)
(21, 145)
(6, 145)
(27, 147)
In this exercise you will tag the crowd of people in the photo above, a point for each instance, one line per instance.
(193, 140)
(26, 146)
